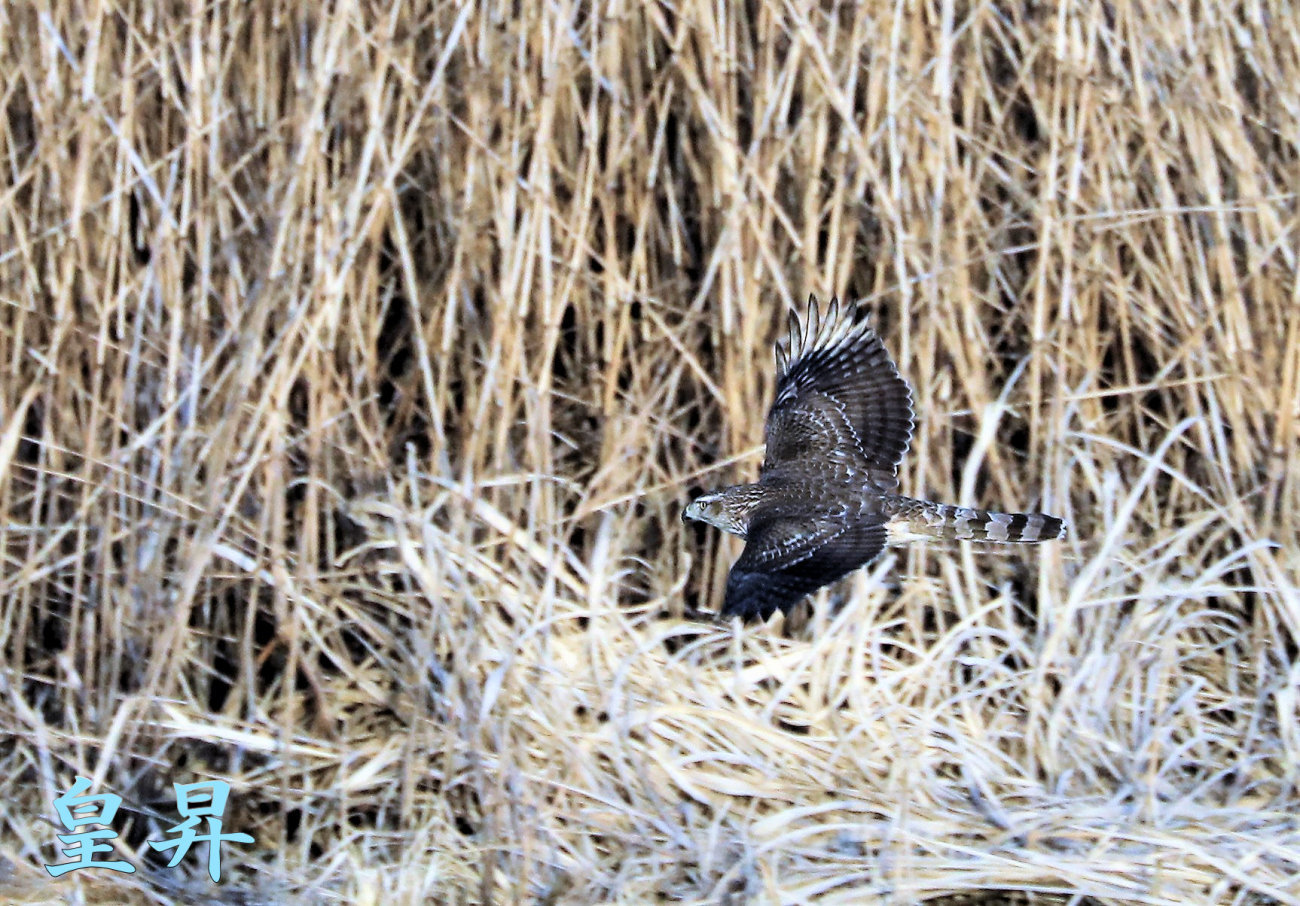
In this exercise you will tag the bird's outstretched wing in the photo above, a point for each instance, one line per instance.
(840, 402)
(786, 558)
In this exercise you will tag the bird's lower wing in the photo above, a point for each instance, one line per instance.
(786, 559)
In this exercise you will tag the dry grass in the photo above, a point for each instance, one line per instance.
(358, 363)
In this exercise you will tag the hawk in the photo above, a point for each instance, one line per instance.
(824, 503)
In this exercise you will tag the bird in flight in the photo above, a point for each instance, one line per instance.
(824, 503)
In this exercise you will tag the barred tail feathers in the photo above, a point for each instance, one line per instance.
(911, 520)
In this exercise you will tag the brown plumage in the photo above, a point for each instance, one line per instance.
(823, 504)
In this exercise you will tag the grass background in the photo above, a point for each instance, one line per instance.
(358, 360)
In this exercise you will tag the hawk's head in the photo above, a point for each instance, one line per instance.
(720, 510)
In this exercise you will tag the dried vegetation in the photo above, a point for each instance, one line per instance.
(358, 360)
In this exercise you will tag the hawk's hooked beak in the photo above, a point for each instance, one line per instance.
(692, 511)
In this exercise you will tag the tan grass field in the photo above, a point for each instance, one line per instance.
(359, 359)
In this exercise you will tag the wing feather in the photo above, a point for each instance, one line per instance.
(787, 558)
(839, 400)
